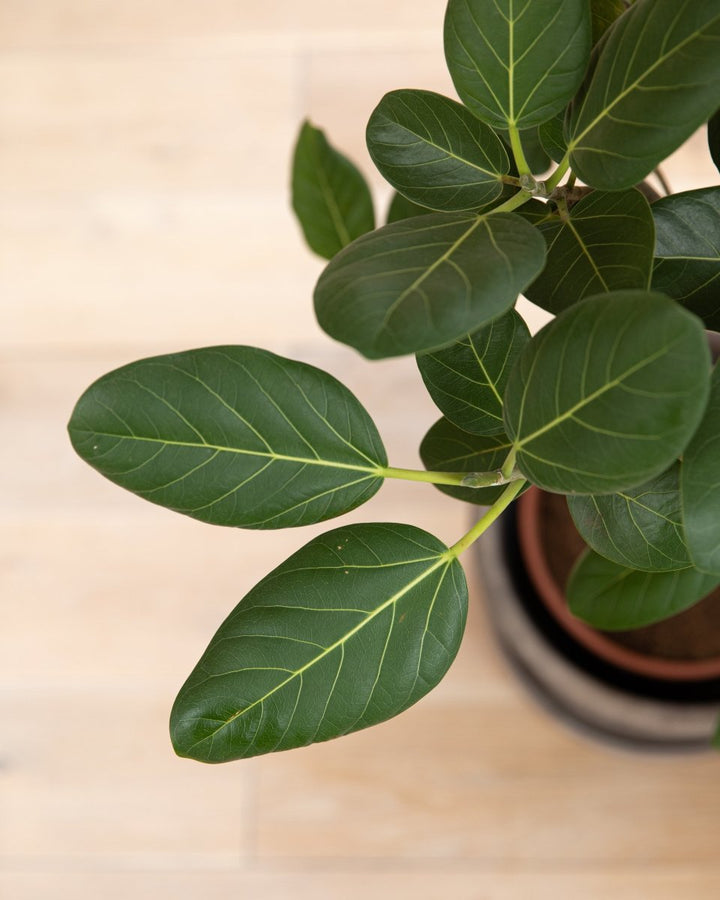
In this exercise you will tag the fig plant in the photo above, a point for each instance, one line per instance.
(528, 184)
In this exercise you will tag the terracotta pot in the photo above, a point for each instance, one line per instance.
(685, 648)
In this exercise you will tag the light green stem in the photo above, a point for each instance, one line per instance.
(516, 144)
(511, 204)
(500, 505)
(456, 479)
(508, 467)
(557, 176)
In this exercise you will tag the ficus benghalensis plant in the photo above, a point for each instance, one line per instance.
(533, 183)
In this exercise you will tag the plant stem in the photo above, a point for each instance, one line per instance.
(663, 181)
(520, 161)
(456, 479)
(484, 522)
(508, 467)
(558, 175)
(511, 204)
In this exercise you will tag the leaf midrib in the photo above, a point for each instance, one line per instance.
(376, 470)
(590, 398)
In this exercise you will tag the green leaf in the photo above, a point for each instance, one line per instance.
(467, 379)
(516, 63)
(613, 598)
(654, 80)
(231, 436)
(402, 208)
(640, 528)
(552, 137)
(701, 486)
(329, 195)
(687, 251)
(351, 630)
(713, 134)
(605, 243)
(436, 152)
(447, 448)
(424, 282)
(608, 394)
(604, 13)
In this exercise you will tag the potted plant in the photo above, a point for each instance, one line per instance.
(614, 404)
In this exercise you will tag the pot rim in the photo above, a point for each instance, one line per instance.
(597, 642)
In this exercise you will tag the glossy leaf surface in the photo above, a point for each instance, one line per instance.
(655, 79)
(424, 282)
(447, 448)
(605, 243)
(608, 394)
(467, 379)
(329, 195)
(517, 62)
(351, 630)
(613, 598)
(687, 251)
(232, 436)
(640, 528)
(435, 152)
(701, 486)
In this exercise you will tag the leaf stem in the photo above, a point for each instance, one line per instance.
(509, 205)
(456, 479)
(485, 521)
(508, 467)
(516, 144)
(557, 176)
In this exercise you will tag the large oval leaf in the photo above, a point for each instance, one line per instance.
(423, 282)
(640, 528)
(329, 195)
(701, 486)
(604, 243)
(653, 81)
(467, 379)
(517, 62)
(447, 448)
(351, 630)
(435, 151)
(613, 598)
(608, 394)
(232, 436)
(687, 263)
(401, 208)
(604, 14)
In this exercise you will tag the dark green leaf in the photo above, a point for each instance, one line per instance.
(605, 243)
(424, 282)
(701, 486)
(402, 208)
(467, 379)
(687, 251)
(447, 448)
(435, 151)
(329, 195)
(713, 133)
(640, 528)
(552, 137)
(613, 598)
(517, 62)
(608, 395)
(354, 628)
(604, 13)
(653, 81)
(232, 436)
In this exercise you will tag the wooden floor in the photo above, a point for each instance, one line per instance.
(144, 150)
